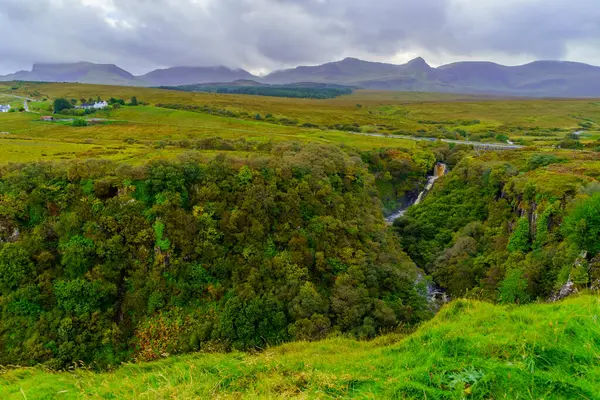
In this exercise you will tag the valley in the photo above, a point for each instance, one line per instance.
(180, 244)
(299, 199)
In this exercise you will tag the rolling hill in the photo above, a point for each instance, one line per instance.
(540, 78)
(536, 79)
(108, 74)
(82, 72)
(193, 75)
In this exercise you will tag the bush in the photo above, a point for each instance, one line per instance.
(162, 335)
(502, 138)
(520, 240)
(513, 289)
(79, 122)
(543, 160)
(570, 144)
(582, 225)
(15, 266)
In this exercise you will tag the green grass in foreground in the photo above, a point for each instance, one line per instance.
(470, 350)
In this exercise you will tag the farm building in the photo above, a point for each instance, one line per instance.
(4, 108)
(97, 105)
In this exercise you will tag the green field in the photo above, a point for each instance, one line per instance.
(470, 350)
(260, 118)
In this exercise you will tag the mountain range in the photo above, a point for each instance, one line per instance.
(539, 78)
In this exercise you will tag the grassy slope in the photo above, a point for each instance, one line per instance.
(469, 350)
(378, 112)
(147, 125)
(407, 112)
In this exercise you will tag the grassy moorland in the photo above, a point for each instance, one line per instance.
(260, 118)
(470, 350)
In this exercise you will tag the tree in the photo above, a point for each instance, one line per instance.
(513, 288)
(582, 225)
(134, 101)
(73, 102)
(15, 266)
(77, 256)
(543, 160)
(570, 144)
(250, 254)
(424, 160)
(62, 104)
(502, 138)
(520, 238)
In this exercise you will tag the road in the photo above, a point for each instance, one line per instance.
(18, 97)
(499, 146)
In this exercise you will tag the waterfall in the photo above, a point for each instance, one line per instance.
(435, 296)
(440, 169)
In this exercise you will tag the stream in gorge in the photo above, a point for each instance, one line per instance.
(436, 297)
(440, 169)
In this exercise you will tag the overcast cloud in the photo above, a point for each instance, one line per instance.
(262, 35)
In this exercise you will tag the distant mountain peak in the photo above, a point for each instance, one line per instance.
(539, 78)
(418, 63)
(176, 76)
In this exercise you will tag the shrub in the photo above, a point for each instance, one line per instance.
(79, 122)
(15, 266)
(520, 238)
(513, 289)
(502, 138)
(161, 335)
(570, 144)
(543, 160)
(582, 225)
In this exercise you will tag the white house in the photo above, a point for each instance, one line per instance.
(4, 108)
(100, 105)
(97, 105)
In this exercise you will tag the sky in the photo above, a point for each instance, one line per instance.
(265, 35)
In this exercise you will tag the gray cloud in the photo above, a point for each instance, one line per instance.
(144, 34)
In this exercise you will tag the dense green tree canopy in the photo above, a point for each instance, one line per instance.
(111, 262)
